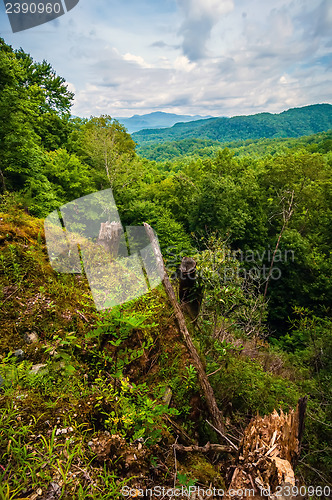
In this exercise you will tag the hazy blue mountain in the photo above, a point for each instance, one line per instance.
(294, 122)
(156, 120)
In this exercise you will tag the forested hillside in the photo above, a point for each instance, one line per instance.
(95, 401)
(198, 148)
(292, 123)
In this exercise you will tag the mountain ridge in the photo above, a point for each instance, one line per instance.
(156, 120)
(294, 122)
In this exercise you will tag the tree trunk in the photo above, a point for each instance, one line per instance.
(109, 237)
(189, 294)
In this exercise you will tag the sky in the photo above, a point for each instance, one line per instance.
(206, 57)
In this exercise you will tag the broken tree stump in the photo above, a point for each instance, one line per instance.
(268, 453)
(109, 237)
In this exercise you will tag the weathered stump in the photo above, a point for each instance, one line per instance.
(268, 454)
(189, 294)
(109, 237)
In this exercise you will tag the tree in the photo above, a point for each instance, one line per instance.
(53, 124)
(109, 148)
(34, 115)
(20, 144)
(297, 205)
(56, 96)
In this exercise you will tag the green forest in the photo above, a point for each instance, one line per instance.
(294, 122)
(93, 401)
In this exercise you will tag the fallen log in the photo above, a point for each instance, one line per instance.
(216, 414)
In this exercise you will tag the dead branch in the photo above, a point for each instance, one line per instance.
(222, 435)
(218, 448)
(183, 435)
(286, 215)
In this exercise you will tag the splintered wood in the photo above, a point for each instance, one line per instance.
(268, 453)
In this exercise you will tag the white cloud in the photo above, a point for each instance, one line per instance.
(196, 9)
(182, 63)
(136, 59)
(192, 57)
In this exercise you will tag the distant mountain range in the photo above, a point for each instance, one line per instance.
(295, 122)
(156, 120)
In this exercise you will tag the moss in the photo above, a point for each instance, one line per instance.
(198, 468)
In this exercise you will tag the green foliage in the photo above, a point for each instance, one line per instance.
(62, 178)
(89, 366)
(181, 148)
(53, 88)
(185, 481)
(171, 235)
(126, 407)
(252, 148)
(310, 340)
(108, 149)
(250, 389)
(70, 178)
(115, 328)
(129, 410)
(229, 294)
(34, 104)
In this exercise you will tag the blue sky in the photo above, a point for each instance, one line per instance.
(216, 57)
